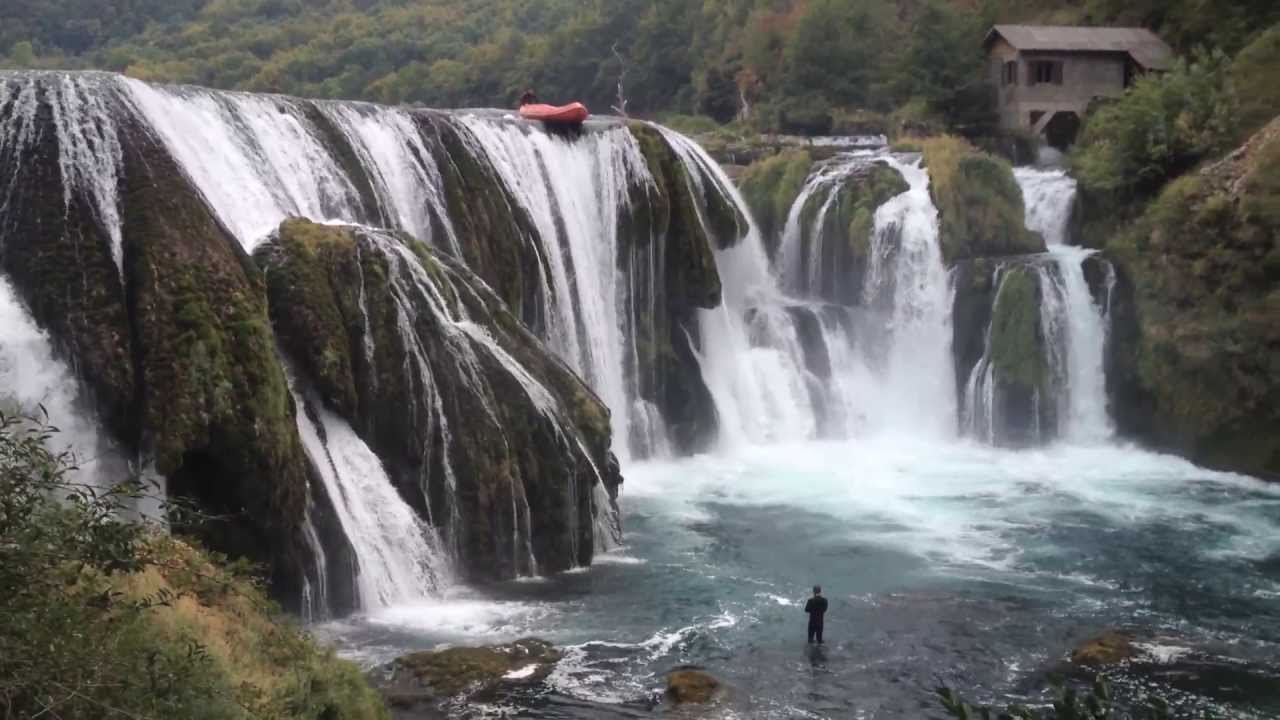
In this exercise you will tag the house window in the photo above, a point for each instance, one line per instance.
(1046, 72)
(1011, 73)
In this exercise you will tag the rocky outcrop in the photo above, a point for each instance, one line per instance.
(485, 433)
(432, 679)
(770, 186)
(980, 208)
(1023, 396)
(160, 312)
(691, 686)
(1193, 366)
(1110, 648)
(675, 222)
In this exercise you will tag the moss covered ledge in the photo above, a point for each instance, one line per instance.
(980, 207)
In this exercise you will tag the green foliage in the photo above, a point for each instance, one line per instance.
(1162, 127)
(1069, 704)
(101, 616)
(980, 206)
(770, 186)
(1253, 78)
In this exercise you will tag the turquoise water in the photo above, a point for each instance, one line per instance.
(950, 564)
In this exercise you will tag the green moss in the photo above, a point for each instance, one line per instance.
(770, 187)
(217, 413)
(455, 670)
(980, 208)
(1016, 344)
(1202, 265)
(305, 267)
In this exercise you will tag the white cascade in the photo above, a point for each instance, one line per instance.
(399, 558)
(754, 368)
(575, 192)
(1075, 325)
(32, 376)
(256, 159)
(90, 156)
(908, 295)
(798, 273)
(401, 166)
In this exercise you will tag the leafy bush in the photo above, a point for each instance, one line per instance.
(103, 616)
(1253, 77)
(770, 186)
(1162, 127)
(980, 207)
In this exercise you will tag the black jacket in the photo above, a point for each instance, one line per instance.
(816, 607)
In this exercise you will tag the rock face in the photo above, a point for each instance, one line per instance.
(980, 208)
(161, 312)
(471, 415)
(770, 187)
(131, 249)
(1195, 366)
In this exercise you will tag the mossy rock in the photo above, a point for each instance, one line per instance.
(1024, 391)
(218, 418)
(57, 252)
(1195, 368)
(980, 206)
(1109, 648)
(457, 429)
(691, 686)
(444, 674)
(770, 186)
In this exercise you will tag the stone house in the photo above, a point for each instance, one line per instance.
(1046, 76)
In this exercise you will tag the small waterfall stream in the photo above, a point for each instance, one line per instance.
(1072, 327)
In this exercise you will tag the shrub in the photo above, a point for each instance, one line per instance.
(1253, 78)
(770, 186)
(103, 616)
(1162, 127)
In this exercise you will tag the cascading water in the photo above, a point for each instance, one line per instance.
(576, 192)
(908, 285)
(399, 558)
(1075, 324)
(32, 377)
(1072, 326)
(800, 254)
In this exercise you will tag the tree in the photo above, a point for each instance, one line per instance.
(22, 54)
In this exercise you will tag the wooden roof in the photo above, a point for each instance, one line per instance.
(1145, 47)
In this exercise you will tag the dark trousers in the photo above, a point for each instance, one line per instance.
(815, 632)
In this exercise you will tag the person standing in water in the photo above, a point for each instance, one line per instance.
(817, 608)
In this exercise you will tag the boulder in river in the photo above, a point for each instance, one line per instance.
(435, 676)
(1110, 648)
(691, 686)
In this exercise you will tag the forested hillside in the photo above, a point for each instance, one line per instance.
(784, 64)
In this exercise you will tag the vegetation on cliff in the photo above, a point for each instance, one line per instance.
(375, 321)
(103, 616)
(770, 187)
(980, 207)
(1197, 363)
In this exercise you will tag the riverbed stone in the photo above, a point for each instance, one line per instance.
(691, 686)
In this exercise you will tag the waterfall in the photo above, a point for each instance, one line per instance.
(1071, 326)
(399, 559)
(33, 377)
(576, 192)
(256, 159)
(908, 285)
(800, 255)
(1075, 325)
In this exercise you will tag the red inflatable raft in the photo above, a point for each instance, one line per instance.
(570, 114)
